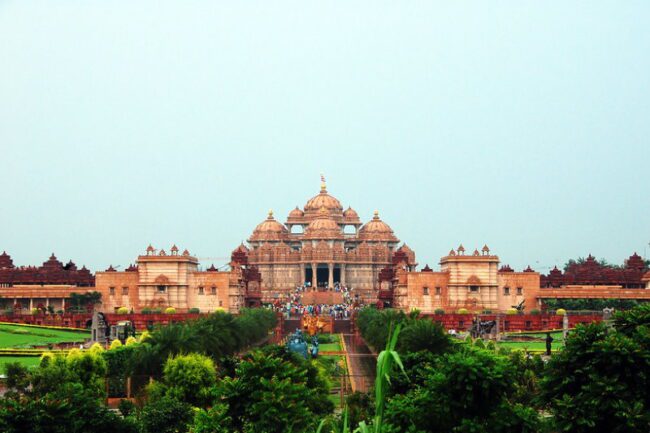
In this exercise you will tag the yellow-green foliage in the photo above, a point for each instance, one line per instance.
(511, 311)
(122, 310)
(96, 348)
(144, 336)
(189, 377)
(560, 311)
(46, 357)
(463, 311)
(479, 343)
(170, 310)
(35, 311)
(131, 340)
(115, 344)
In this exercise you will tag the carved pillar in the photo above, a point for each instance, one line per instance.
(303, 277)
(330, 275)
(342, 274)
(31, 304)
(314, 281)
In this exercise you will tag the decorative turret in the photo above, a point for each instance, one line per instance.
(5, 261)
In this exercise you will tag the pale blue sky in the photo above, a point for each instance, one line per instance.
(523, 125)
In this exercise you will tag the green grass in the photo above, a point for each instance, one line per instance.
(17, 336)
(329, 347)
(27, 361)
(529, 345)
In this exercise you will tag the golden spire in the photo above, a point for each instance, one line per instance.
(323, 186)
(270, 214)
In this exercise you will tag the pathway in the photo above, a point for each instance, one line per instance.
(362, 363)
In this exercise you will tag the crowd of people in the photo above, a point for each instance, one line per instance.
(293, 305)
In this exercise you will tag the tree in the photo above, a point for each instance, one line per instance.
(272, 394)
(468, 390)
(166, 415)
(600, 382)
(189, 378)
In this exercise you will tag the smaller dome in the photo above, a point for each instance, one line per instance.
(377, 230)
(296, 213)
(350, 214)
(269, 230)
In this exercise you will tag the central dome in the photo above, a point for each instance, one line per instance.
(323, 200)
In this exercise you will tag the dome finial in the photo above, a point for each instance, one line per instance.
(376, 215)
(270, 214)
(323, 186)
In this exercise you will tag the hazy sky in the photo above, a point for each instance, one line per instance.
(523, 125)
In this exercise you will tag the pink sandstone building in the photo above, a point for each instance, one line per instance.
(320, 246)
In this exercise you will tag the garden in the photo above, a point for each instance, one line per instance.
(222, 374)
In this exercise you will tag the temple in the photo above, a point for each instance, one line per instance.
(321, 248)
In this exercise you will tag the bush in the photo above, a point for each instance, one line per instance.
(560, 311)
(122, 310)
(35, 311)
(170, 310)
(115, 344)
(194, 310)
(126, 407)
(156, 310)
(487, 311)
(146, 310)
(131, 340)
(511, 311)
(534, 311)
(463, 311)
(166, 415)
(439, 311)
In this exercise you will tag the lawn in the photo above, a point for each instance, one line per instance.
(557, 344)
(27, 361)
(329, 347)
(18, 336)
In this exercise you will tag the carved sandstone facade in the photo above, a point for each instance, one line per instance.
(321, 245)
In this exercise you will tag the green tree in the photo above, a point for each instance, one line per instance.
(189, 378)
(166, 415)
(213, 420)
(272, 394)
(468, 390)
(600, 381)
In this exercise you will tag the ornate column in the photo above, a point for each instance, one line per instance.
(314, 281)
(330, 276)
(302, 274)
(342, 274)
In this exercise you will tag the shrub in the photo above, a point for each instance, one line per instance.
(115, 344)
(126, 407)
(131, 340)
(170, 310)
(35, 311)
(511, 311)
(560, 312)
(194, 310)
(96, 347)
(156, 310)
(146, 310)
(122, 310)
(463, 311)
(534, 311)
(487, 311)
(439, 311)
